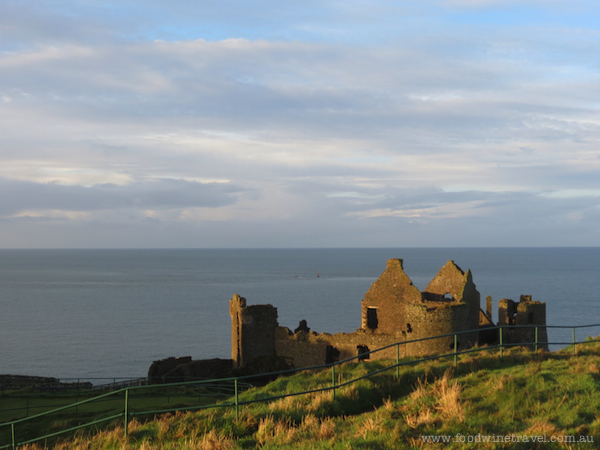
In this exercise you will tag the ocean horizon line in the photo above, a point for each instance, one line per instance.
(305, 248)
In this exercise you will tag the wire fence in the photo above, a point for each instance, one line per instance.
(141, 400)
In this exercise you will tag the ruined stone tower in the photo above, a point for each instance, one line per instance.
(252, 331)
(525, 312)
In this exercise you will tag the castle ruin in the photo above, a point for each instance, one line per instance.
(393, 310)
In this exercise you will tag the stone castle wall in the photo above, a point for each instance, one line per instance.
(303, 349)
(383, 308)
(442, 320)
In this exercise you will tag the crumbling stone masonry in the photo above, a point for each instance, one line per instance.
(393, 310)
(450, 303)
(526, 312)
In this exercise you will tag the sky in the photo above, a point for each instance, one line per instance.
(282, 124)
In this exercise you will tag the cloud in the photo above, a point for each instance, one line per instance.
(409, 99)
(334, 123)
(19, 196)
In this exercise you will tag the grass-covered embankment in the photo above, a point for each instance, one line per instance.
(483, 397)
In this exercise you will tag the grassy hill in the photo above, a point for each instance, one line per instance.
(513, 402)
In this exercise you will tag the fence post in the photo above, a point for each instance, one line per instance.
(573, 340)
(397, 361)
(237, 410)
(455, 348)
(12, 432)
(333, 380)
(126, 411)
(501, 345)
(536, 339)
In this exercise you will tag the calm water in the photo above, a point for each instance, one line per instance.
(110, 313)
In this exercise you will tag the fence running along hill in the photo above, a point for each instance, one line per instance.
(235, 385)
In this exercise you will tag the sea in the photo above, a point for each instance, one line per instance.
(94, 314)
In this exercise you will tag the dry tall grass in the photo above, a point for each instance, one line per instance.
(285, 432)
(443, 394)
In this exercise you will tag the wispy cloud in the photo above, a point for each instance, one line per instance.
(19, 196)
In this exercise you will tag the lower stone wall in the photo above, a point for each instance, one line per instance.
(353, 344)
(302, 349)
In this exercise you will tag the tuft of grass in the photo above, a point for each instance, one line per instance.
(440, 400)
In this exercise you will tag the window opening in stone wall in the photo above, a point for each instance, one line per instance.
(530, 317)
(332, 354)
(408, 328)
(448, 296)
(372, 321)
(363, 352)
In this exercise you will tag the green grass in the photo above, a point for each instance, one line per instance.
(22, 404)
(521, 394)
(15, 406)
